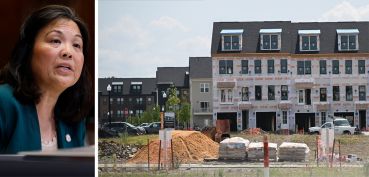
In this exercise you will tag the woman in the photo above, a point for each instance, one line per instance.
(45, 90)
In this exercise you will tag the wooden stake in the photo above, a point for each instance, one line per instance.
(159, 155)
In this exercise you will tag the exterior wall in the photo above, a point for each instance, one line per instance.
(292, 80)
(200, 117)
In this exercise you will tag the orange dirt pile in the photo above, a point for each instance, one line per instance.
(188, 147)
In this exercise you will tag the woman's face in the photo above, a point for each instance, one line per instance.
(57, 58)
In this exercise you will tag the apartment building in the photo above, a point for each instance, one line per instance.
(201, 96)
(285, 75)
(129, 97)
(168, 76)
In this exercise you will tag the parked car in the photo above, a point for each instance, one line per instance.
(144, 124)
(152, 128)
(340, 126)
(122, 127)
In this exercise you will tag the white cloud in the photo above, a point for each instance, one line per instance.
(126, 29)
(196, 46)
(170, 23)
(345, 11)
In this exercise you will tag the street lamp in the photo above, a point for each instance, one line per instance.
(164, 96)
(108, 88)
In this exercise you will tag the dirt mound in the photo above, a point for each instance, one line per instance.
(188, 147)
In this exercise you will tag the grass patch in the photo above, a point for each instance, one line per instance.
(130, 139)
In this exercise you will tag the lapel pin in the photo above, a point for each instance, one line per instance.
(68, 138)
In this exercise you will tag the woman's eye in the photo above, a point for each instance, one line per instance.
(77, 46)
(55, 41)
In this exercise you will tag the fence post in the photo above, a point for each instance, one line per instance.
(266, 156)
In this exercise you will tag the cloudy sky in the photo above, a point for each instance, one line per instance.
(137, 36)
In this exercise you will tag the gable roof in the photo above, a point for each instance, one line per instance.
(200, 67)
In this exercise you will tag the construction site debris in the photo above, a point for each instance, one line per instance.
(209, 132)
(253, 131)
(188, 147)
(233, 148)
(256, 151)
(293, 152)
(121, 151)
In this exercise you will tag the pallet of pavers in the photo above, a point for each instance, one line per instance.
(293, 152)
(233, 148)
(256, 151)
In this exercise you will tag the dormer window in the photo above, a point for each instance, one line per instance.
(231, 39)
(348, 39)
(136, 88)
(309, 40)
(270, 39)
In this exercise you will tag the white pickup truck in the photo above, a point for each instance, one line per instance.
(340, 126)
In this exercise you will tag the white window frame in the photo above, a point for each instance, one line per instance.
(207, 103)
(347, 32)
(231, 33)
(203, 87)
(323, 115)
(228, 95)
(301, 102)
(284, 117)
(270, 32)
(309, 33)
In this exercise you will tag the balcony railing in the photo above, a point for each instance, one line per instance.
(203, 110)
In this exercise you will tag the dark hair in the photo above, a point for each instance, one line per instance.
(75, 102)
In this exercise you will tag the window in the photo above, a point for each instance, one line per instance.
(226, 95)
(136, 89)
(323, 94)
(117, 88)
(244, 66)
(304, 97)
(303, 67)
(284, 117)
(349, 93)
(149, 99)
(348, 39)
(309, 40)
(111, 100)
(323, 66)
(283, 65)
(324, 117)
(308, 96)
(284, 91)
(139, 100)
(309, 43)
(258, 92)
(204, 87)
(270, 39)
(204, 105)
(225, 67)
(245, 94)
(362, 93)
(336, 93)
(120, 101)
(119, 113)
(257, 64)
(270, 66)
(348, 66)
(301, 96)
(361, 65)
(336, 66)
(271, 92)
(231, 39)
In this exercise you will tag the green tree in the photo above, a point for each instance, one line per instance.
(184, 114)
(173, 100)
